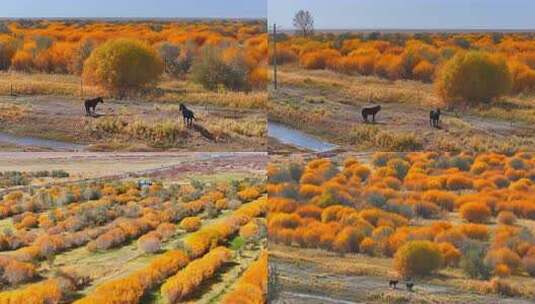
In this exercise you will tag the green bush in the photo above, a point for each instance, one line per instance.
(212, 72)
(472, 262)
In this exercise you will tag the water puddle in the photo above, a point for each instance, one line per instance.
(39, 142)
(290, 136)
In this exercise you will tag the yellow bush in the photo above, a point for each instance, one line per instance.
(123, 65)
(474, 77)
(418, 258)
(191, 224)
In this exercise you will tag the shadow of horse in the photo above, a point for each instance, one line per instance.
(204, 132)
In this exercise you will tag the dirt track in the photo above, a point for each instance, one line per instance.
(306, 276)
(341, 113)
(63, 119)
(111, 166)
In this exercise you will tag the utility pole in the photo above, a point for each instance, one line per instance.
(81, 87)
(275, 56)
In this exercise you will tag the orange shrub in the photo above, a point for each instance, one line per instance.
(189, 278)
(348, 240)
(22, 61)
(451, 255)
(503, 256)
(284, 55)
(475, 231)
(424, 71)
(446, 200)
(131, 288)
(502, 271)
(45, 292)
(506, 217)
(249, 230)
(458, 182)
(475, 212)
(367, 246)
(249, 194)
(309, 211)
(318, 59)
(191, 224)
(251, 288)
(523, 77)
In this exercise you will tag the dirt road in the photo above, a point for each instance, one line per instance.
(62, 120)
(306, 276)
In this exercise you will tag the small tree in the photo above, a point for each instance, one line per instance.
(472, 261)
(418, 258)
(123, 65)
(474, 77)
(80, 56)
(168, 52)
(304, 22)
(211, 71)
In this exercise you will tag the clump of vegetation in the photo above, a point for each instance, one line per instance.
(212, 72)
(122, 66)
(474, 77)
(375, 208)
(418, 258)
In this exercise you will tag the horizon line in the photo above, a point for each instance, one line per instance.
(371, 29)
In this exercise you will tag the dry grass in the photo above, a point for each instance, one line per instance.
(11, 113)
(362, 89)
(168, 90)
(43, 84)
(327, 104)
(169, 133)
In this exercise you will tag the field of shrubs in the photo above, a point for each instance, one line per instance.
(483, 82)
(17, 178)
(144, 69)
(145, 240)
(80, 47)
(461, 221)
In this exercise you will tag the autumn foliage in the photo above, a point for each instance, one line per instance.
(123, 65)
(132, 55)
(348, 207)
(251, 288)
(418, 258)
(188, 279)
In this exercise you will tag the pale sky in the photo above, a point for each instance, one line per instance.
(408, 14)
(134, 8)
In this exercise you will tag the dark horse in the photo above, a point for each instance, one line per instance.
(434, 118)
(371, 110)
(409, 285)
(187, 115)
(393, 283)
(91, 105)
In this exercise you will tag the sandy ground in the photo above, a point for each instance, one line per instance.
(63, 119)
(173, 166)
(342, 112)
(317, 276)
